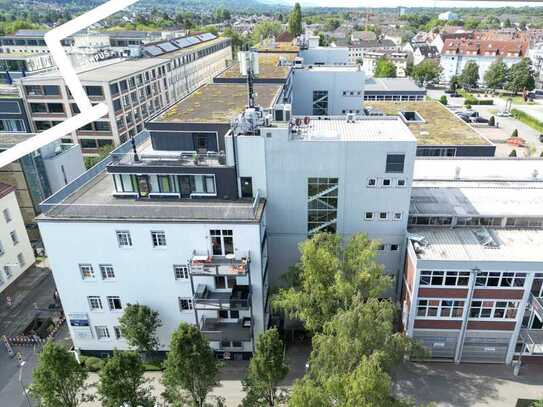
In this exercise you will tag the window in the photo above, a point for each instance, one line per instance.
(7, 272)
(380, 247)
(368, 216)
(14, 237)
(430, 308)
(383, 215)
(447, 278)
(386, 182)
(500, 279)
(397, 216)
(493, 309)
(7, 215)
(222, 242)
(21, 260)
(320, 103)
(102, 332)
(226, 314)
(95, 303)
(394, 247)
(222, 282)
(181, 272)
(246, 187)
(87, 273)
(118, 333)
(114, 303)
(107, 272)
(123, 238)
(165, 184)
(395, 163)
(372, 182)
(159, 239)
(322, 205)
(185, 304)
(401, 182)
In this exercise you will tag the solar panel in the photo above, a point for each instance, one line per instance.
(167, 46)
(193, 40)
(207, 37)
(182, 43)
(153, 50)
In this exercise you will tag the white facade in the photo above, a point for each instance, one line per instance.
(16, 253)
(325, 56)
(448, 16)
(343, 87)
(141, 274)
(371, 58)
(453, 64)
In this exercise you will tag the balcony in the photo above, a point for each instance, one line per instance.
(217, 330)
(206, 299)
(170, 159)
(202, 263)
(537, 305)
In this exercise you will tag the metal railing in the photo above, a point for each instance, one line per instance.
(205, 263)
(193, 159)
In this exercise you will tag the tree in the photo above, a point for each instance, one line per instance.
(514, 133)
(521, 77)
(266, 29)
(496, 75)
(443, 100)
(327, 277)
(190, 367)
(513, 153)
(385, 68)
(58, 380)
(266, 369)
(238, 41)
(507, 23)
(122, 382)
(295, 21)
(103, 152)
(454, 83)
(426, 71)
(139, 324)
(470, 75)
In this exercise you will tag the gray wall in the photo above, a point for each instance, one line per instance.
(180, 136)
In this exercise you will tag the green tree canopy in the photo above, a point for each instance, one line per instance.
(426, 71)
(295, 21)
(266, 369)
(469, 78)
(521, 76)
(328, 276)
(122, 382)
(265, 30)
(58, 380)
(385, 68)
(496, 75)
(139, 324)
(190, 367)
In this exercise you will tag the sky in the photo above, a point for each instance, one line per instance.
(416, 3)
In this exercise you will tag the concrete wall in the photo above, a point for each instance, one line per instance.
(325, 56)
(64, 167)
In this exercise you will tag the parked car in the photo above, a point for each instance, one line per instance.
(479, 120)
(465, 118)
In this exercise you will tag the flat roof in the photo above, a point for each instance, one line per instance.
(391, 85)
(463, 244)
(8, 140)
(478, 169)
(457, 198)
(95, 200)
(268, 64)
(217, 103)
(439, 127)
(364, 128)
(277, 47)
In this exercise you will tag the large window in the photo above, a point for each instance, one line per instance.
(222, 242)
(12, 125)
(500, 279)
(322, 205)
(320, 103)
(395, 163)
(493, 309)
(437, 308)
(444, 278)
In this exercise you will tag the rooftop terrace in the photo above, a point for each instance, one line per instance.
(268, 64)
(217, 103)
(439, 126)
(522, 245)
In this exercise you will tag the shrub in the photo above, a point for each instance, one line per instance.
(527, 119)
(93, 364)
(515, 133)
(443, 100)
(513, 153)
(468, 106)
(492, 121)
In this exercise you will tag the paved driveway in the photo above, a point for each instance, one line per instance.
(468, 385)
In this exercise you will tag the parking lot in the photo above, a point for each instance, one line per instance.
(506, 125)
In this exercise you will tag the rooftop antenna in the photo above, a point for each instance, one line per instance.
(248, 62)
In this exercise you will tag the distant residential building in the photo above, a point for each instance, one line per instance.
(457, 53)
(536, 56)
(400, 60)
(134, 89)
(16, 253)
(448, 16)
(363, 36)
(16, 65)
(357, 49)
(424, 52)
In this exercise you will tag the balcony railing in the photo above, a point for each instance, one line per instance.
(207, 299)
(185, 159)
(203, 263)
(537, 305)
(218, 330)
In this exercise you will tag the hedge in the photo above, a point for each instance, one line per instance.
(475, 101)
(527, 119)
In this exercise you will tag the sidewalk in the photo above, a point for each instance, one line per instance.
(33, 289)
